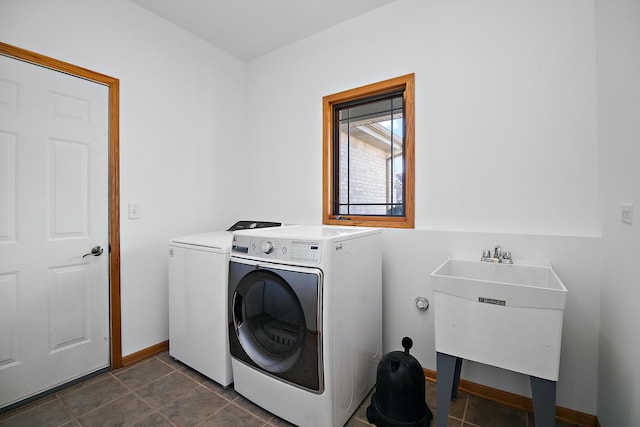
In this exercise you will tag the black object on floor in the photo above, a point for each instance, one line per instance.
(399, 399)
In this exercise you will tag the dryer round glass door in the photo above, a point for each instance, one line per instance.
(275, 321)
(269, 321)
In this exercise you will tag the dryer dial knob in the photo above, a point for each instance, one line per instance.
(267, 247)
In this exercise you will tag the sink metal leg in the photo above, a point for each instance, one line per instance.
(543, 392)
(456, 379)
(448, 370)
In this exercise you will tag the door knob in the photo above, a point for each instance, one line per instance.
(95, 251)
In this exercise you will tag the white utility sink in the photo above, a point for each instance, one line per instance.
(506, 315)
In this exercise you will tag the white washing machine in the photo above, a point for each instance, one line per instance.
(198, 271)
(305, 320)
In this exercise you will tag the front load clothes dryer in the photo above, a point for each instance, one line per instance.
(277, 321)
(304, 318)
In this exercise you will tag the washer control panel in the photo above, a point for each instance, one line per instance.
(308, 251)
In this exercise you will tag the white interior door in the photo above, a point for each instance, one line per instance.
(54, 303)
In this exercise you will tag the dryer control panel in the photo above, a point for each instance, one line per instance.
(308, 251)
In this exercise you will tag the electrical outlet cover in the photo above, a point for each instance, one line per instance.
(626, 213)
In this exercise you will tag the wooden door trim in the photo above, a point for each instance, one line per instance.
(114, 179)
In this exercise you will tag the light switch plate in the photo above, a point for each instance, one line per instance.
(626, 213)
(134, 211)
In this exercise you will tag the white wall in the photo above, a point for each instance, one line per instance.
(505, 110)
(181, 103)
(618, 36)
(506, 152)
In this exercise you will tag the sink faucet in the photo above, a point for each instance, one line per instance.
(499, 255)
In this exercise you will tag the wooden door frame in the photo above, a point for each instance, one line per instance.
(114, 179)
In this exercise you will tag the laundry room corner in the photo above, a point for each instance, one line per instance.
(524, 138)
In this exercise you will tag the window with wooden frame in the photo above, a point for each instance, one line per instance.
(368, 155)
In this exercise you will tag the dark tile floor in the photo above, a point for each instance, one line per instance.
(160, 391)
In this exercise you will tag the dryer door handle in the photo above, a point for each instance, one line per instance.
(237, 310)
